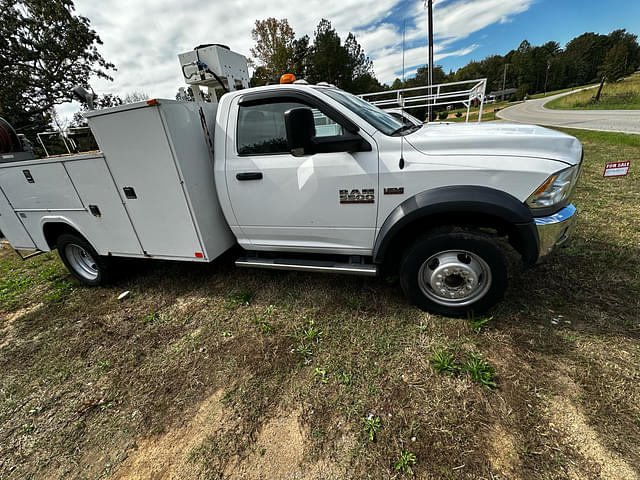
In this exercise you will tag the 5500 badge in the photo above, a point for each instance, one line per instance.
(366, 195)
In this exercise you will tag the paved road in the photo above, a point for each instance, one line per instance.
(533, 111)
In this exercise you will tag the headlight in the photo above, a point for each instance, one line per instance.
(555, 190)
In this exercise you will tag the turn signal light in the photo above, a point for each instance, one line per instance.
(545, 185)
(287, 78)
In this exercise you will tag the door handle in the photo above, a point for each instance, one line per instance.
(249, 176)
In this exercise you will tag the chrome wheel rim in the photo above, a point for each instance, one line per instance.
(81, 261)
(454, 278)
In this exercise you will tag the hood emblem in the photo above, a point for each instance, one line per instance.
(366, 195)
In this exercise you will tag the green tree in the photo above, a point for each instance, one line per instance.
(630, 41)
(105, 101)
(422, 76)
(522, 65)
(300, 58)
(260, 76)
(623, 58)
(45, 50)
(529, 68)
(344, 65)
(359, 76)
(274, 47)
(616, 62)
(584, 55)
(327, 57)
(135, 96)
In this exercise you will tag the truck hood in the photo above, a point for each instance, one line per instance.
(496, 139)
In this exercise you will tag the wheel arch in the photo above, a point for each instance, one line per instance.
(53, 227)
(460, 205)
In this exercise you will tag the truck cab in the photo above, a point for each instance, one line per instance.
(305, 177)
(391, 194)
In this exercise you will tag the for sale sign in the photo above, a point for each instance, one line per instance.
(616, 169)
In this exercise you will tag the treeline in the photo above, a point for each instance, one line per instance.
(326, 58)
(585, 59)
(45, 50)
(529, 69)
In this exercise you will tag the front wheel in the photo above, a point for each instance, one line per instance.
(82, 260)
(455, 272)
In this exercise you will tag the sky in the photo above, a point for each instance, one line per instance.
(143, 37)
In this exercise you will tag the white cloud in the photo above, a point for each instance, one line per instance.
(390, 66)
(454, 21)
(144, 37)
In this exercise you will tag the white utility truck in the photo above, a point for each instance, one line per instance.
(302, 177)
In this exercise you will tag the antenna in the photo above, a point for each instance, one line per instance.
(401, 165)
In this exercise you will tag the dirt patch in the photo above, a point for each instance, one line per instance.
(189, 303)
(503, 455)
(166, 457)
(584, 439)
(7, 329)
(278, 451)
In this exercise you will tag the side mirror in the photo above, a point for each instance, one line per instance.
(300, 130)
(349, 142)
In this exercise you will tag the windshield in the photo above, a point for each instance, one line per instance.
(372, 114)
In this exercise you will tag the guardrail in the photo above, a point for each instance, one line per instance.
(443, 94)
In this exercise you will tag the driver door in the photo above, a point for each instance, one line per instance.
(314, 203)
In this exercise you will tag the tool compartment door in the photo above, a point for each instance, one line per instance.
(139, 155)
(12, 228)
(107, 226)
(44, 186)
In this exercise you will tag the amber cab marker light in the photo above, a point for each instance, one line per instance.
(153, 101)
(287, 78)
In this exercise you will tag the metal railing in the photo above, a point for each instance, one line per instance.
(67, 140)
(443, 94)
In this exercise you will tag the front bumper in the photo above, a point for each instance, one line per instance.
(555, 229)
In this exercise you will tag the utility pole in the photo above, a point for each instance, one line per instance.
(504, 80)
(547, 77)
(429, 5)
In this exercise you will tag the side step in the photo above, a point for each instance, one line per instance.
(308, 266)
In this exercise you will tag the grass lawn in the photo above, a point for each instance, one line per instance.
(217, 372)
(622, 95)
(555, 92)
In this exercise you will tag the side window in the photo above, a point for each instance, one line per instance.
(261, 128)
(325, 127)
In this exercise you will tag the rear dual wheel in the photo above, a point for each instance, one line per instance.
(454, 272)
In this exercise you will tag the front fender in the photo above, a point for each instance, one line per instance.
(469, 200)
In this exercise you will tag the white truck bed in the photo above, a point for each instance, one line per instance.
(152, 183)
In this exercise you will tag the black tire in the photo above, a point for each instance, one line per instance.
(83, 261)
(468, 267)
